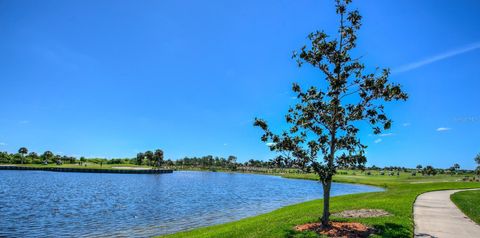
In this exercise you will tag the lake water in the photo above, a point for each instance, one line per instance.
(52, 204)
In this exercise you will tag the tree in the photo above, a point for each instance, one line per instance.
(454, 168)
(232, 162)
(139, 159)
(33, 155)
(429, 170)
(58, 159)
(477, 159)
(47, 155)
(419, 167)
(324, 123)
(149, 156)
(158, 158)
(23, 151)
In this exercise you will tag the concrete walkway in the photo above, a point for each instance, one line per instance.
(436, 215)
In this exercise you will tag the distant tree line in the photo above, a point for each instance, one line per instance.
(25, 157)
(48, 157)
(208, 161)
(150, 158)
(280, 163)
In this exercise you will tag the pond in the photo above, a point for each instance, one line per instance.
(53, 204)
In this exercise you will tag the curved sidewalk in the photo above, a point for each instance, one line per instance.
(436, 215)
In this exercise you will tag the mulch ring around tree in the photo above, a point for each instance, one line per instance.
(361, 213)
(338, 229)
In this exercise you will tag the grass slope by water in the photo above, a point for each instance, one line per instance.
(469, 203)
(401, 192)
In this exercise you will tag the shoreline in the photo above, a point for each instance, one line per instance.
(88, 170)
(397, 198)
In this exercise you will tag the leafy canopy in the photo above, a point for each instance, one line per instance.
(323, 125)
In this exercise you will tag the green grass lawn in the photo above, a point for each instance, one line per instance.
(469, 203)
(401, 192)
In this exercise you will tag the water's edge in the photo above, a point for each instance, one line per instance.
(88, 170)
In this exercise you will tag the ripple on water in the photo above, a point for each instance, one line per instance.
(39, 203)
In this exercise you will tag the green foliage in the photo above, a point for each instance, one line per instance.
(139, 159)
(429, 170)
(323, 124)
(454, 169)
(23, 151)
(477, 160)
(149, 157)
(232, 162)
(157, 158)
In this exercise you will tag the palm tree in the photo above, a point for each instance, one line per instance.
(140, 157)
(149, 156)
(46, 156)
(158, 158)
(23, 151)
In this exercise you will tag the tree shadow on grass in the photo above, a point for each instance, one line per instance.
(388, 230)
(290, 233)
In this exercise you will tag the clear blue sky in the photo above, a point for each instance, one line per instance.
(113, 78)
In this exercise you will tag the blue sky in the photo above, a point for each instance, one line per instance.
(114, 78)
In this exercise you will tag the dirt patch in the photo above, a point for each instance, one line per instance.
(362, 213)
(338, 229)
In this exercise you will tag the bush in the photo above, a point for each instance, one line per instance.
(36, 161)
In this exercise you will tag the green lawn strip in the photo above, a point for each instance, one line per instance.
(398, 199)
(469, 203)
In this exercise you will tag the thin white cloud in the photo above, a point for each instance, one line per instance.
(378, 141)
(386, 134)
(3, 144)
(270, 144)
(436, 58)
(225, 144)
(24, 122)
(443, 129)
(406, 124)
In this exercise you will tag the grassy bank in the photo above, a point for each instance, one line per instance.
(401, 192)
(468, 202)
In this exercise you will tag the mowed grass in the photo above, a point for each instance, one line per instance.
(469, 203)
(398, 198)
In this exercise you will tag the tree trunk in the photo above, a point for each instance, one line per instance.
(326, 203)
